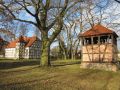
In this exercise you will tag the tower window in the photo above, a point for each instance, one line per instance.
(95, 40)
(104, 39)
(88, 41)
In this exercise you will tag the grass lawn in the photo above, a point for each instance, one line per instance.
(69, 77)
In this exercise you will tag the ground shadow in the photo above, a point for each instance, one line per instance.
(9, 65)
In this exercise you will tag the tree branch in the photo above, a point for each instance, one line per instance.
(17, 18)
(59, 22)
(52, 24)
(26, 21)
(117, 1)
(25, 7)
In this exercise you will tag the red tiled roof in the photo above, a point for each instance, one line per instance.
(30, 41)
(27, 40)
(11, 44)
(1, 39)
(98, 30)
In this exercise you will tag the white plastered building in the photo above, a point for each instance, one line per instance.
(24, 47)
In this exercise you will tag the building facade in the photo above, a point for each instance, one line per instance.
(99, 45)
(24, 47)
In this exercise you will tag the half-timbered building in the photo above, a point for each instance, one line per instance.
(24, 47)
(99, 45)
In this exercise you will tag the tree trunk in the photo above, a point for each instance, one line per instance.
(45, 51)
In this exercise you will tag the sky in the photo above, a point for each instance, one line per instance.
(25, 16)
(31, 28)
(114, 6)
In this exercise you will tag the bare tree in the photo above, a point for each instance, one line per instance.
(89, 14)
(23, 29)
(70, 39)
(47, 13)
(62, 47)
(7, 32)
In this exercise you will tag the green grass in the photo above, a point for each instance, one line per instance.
(65, 62)
(69, 77)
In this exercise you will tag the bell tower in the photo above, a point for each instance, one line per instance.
(99, 48)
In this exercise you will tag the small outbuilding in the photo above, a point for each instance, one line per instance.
(99, 48)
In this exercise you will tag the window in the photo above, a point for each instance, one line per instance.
(104, 39)
(95, 40)
(86, 41)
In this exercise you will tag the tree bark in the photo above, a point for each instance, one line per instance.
(45, 51)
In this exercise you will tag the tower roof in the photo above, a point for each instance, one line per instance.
(98, 30)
